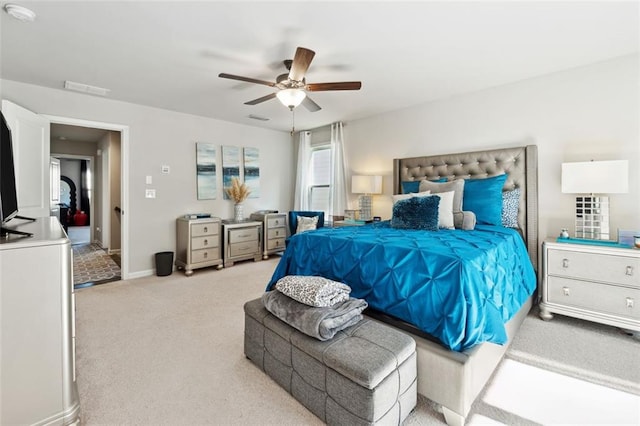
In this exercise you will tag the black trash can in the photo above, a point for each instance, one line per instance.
(164, 263)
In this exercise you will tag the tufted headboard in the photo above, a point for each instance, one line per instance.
(520, 164)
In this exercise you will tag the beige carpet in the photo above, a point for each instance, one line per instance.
(169, 351)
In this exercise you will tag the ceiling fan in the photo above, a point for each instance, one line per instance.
(292, 86)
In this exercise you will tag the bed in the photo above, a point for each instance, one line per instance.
(455, 356)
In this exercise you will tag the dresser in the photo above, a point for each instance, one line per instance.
(242, 240)
(274, 231)
(37, 333)
(198, 244)
(591, 282)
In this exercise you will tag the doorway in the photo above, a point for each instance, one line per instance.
(100, 149)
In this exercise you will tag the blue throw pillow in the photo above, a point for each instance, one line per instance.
(510, 204)
(484, 198)
(409, 186)
(416, 213)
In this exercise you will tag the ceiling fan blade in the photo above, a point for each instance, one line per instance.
(301, 63)
(247, 79)
(262, 99)
(310, 104)
(343, 85)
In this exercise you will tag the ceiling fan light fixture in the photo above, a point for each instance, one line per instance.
(20, 13)
(291, 98)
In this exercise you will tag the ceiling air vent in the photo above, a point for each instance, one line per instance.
(257, 117)
(85, 88)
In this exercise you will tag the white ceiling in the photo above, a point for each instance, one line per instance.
(169, 54)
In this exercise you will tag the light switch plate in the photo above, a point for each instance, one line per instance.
(149, 180)
(150, 193)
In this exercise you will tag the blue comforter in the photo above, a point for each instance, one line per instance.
(458, 286)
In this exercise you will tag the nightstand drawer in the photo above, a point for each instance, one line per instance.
(275, 243)
(204, 242)
(240, 249)
(205, 255)
(603, 298)
(199, 229)
(243, 234)
(592, 266)
(276, 233)
(276, 222)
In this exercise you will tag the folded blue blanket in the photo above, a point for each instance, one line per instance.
(322, 323)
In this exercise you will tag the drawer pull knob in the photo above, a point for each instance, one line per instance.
(206, 242)
(565, 291)
(277, 222)
(629, 302)
(277, 233)
(565, 263)
(629, 270)
(205, 254)
(206, 229)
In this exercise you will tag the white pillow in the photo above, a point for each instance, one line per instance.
(306, 223)
(445, 207)
(399, 197)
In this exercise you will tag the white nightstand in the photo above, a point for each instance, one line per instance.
(591, 282)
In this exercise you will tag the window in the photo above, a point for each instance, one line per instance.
(320, 179)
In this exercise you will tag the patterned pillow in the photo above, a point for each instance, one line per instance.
(416, 213)
(313, 291)
(306, 223)
(510, 204)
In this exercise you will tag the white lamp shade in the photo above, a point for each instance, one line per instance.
(291, 97)
(366, 184)
(595, 177)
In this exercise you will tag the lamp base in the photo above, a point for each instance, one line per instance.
(592, 218)
(365, 207)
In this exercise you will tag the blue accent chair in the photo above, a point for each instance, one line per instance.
(293, 220)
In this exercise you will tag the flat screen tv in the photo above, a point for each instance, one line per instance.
(8, 191)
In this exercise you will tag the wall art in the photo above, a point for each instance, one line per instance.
(206, 171)
(230, 166)
(252, 171)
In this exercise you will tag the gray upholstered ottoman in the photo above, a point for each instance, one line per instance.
(366, 374)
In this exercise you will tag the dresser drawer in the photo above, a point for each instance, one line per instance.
(276, 222)
(199, 229)
(275, 243)
(240, 249)
(204, 242)
(243, 234)
(621, 301)
(592, 266)
(205, 255)
(276, 233)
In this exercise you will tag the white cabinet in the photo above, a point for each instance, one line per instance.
(596, 283)
(37, 333)
(198, 243)
(242, 241)
(274, 232)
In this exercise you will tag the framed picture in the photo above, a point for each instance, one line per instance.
(252, 171)
(230, 166)
(206, 171)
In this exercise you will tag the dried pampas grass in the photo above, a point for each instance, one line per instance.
(238, 191)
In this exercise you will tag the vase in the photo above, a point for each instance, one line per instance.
(238, 212)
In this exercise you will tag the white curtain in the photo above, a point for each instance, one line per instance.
(338, 183)
(301, 198)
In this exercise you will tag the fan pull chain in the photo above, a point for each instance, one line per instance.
(293, 119)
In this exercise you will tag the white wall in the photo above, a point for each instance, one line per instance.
(159, 137)
(586, 113)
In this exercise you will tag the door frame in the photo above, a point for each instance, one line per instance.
(124, 176)
(91, 160)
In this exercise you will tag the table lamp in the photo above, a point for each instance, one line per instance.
(594, 177)
(366, 185)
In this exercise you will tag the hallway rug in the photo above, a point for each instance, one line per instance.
(92, 264)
